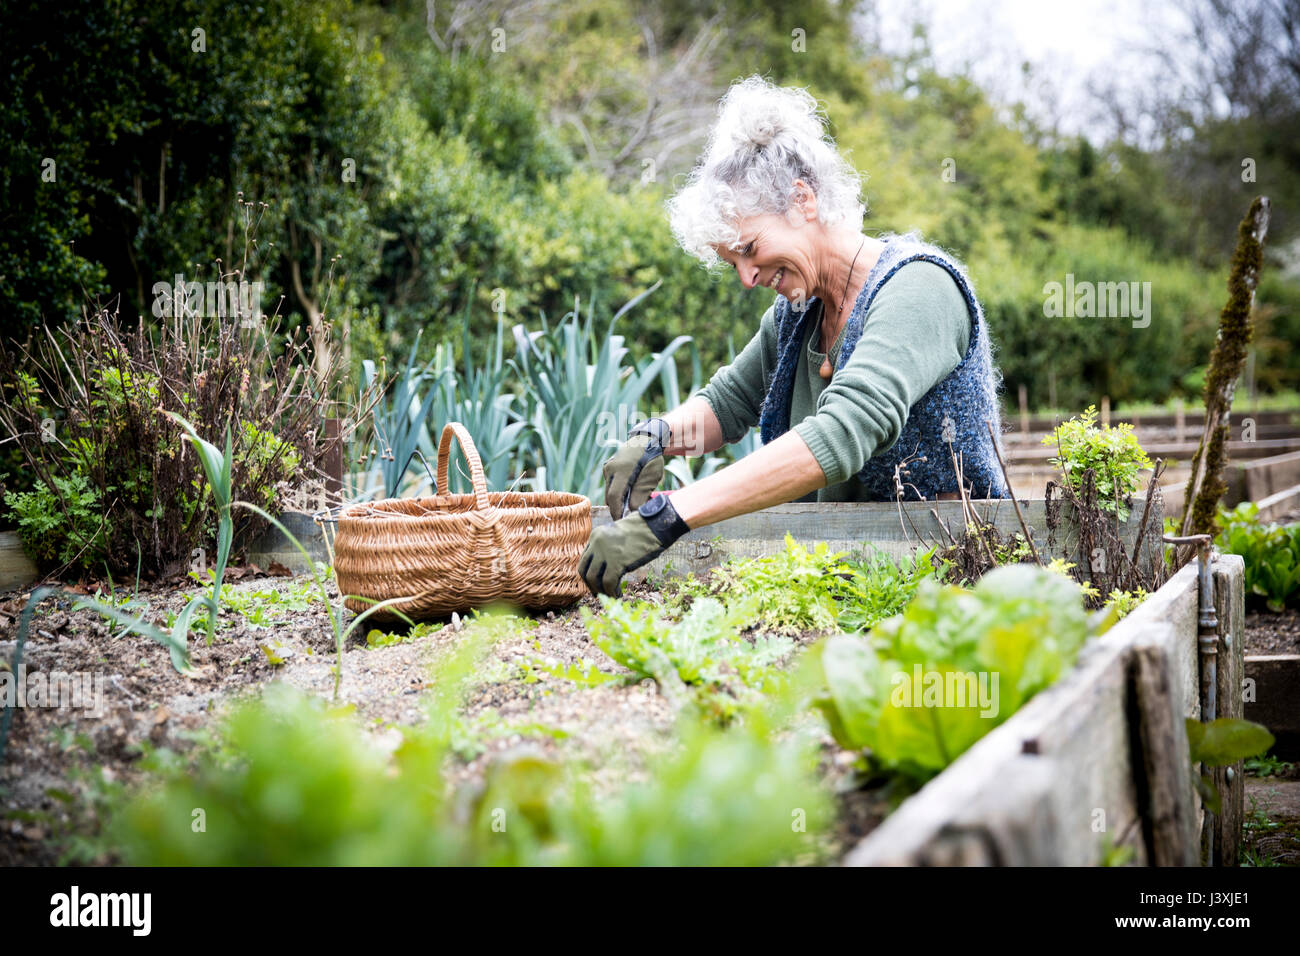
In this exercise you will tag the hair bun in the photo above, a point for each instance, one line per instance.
(762, 130)
(754, 113)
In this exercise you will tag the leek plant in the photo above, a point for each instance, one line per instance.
(480, 400)
(425, 397)
(579, 383)
(753, 440)
(684, 470)
(401, 417)
(217, 465)
(341, 633)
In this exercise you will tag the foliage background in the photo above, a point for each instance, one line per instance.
(540, 168)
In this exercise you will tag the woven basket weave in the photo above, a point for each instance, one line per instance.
(455, 552)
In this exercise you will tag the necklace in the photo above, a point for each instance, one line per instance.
(826, 370)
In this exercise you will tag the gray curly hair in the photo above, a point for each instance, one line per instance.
(765, 138)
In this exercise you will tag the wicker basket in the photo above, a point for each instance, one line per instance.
(455, 552)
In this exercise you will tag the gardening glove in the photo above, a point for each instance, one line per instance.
(615, 549)
(636, 468)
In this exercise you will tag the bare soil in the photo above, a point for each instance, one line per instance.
(45, 797)
(1271, 835)
(1268, 633)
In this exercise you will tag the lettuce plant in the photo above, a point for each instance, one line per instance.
(809, 590)
(704, 651)
(1271, 554)
(933, 680)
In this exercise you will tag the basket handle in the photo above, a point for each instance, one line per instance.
(471, 455)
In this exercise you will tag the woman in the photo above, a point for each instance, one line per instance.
(871, 374)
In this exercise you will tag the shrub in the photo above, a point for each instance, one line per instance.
(1112, 453)
(108, 392)
(64, 526)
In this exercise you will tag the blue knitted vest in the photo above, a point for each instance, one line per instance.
(947, 421)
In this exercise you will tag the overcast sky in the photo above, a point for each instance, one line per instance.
(1071, 43)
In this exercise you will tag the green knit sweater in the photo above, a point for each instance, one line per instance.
(916, 333)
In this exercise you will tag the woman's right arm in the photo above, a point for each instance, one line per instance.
(725, 409)
(695, 429)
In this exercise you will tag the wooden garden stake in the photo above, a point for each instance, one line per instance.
(1206, 485)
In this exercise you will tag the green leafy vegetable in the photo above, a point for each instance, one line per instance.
(1271, 554)
(930, 682)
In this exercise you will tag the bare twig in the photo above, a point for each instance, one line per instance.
(1006, 478)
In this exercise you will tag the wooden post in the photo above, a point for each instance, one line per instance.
(1024, 409)
(1229, 606)
(1205, 487)
(1105, 411)
(16, 569)
(1180, 421)
(1169, 818)
(332, 459)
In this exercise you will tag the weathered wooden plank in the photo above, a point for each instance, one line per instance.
(1230, 608)
(1182, 451)
(16, 569)
(1177, 602)
(1165, 788)
(1275, 506)
(1084, 728)
(1078, 729)
(1266, 476)
(1154, 433)
(1193, 420)
(1015, 825)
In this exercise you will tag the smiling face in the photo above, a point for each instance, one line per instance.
(773, 253)
(779, 250)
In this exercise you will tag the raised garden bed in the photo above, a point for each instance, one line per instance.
(542, 688)
(1095, 763)
(1273, 669)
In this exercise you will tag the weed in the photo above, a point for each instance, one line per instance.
(377, 638)
(1268, 766)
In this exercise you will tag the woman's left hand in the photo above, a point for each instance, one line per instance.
(629, 543)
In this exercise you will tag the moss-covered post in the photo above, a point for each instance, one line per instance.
(1206, 486)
